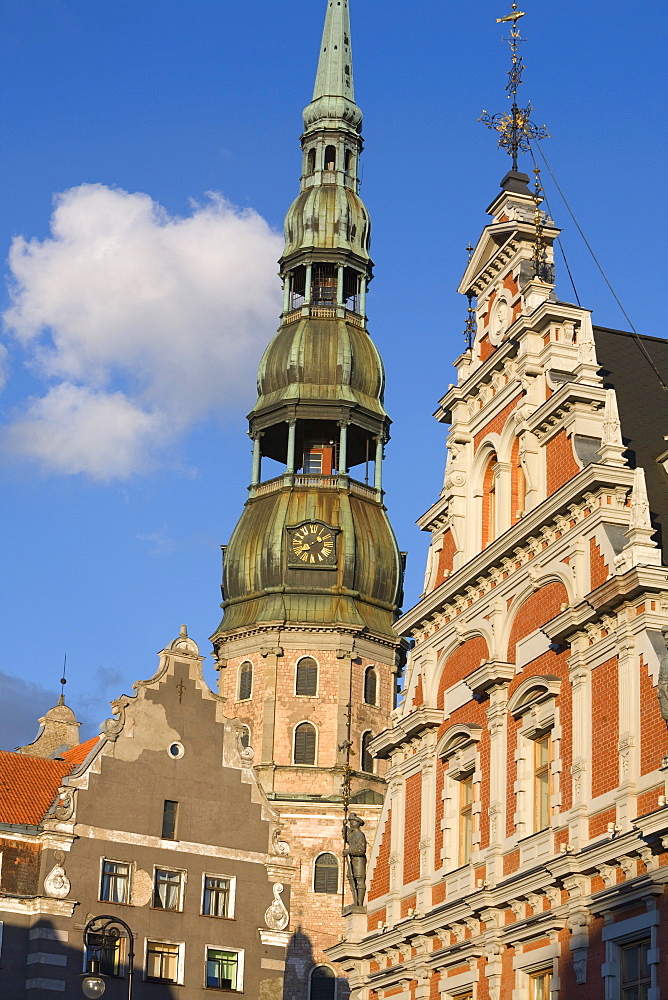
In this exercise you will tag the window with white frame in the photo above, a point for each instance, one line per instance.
(164, 961)
(168, 888)
(306, 678)
(218, 896)
(224, 968)
(459, 749)
(539, 984)
(115, 881)
(534, 703)
(305, 740)
(108, 951)
(631, 968)
(326, 874)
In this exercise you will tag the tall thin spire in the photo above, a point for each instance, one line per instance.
(335, 65)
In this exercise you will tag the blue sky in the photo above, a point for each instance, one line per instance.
(170, 132)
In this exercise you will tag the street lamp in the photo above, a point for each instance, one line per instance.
(98, 933)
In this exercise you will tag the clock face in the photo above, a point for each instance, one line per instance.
(313, 544)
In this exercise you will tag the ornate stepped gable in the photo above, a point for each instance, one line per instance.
(523, 843)
(307, 648)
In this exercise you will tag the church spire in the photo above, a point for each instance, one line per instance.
(335, 65)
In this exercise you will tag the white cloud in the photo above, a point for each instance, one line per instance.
(139, 322)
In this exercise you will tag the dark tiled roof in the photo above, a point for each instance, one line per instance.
(643, 409)
(28, 786)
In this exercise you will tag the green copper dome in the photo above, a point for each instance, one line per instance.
(328, 215)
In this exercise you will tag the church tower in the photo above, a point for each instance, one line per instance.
(307, 650)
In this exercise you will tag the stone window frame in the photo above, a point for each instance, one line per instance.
(527, 964)
(642, 927)
(367, 732)
(534, 701)
(308, 656)
(131, 871)
(459, 746)
(180, 964)
(460, 986)
(324, 965)
(322, 854)
(232, 879)
(252, 679)
(317, 742)
(182, 887)
(371, 668)
(240, 952)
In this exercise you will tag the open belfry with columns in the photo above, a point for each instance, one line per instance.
(522, 849)
(307, 649)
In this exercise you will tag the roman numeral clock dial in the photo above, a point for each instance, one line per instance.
(312, 545)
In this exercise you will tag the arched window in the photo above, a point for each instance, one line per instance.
(366, 758)
(245, 737)
(330, 157)
(304, 744)
(310, 161)
(489, 505)
(348, 159)
(370, 686)
(245, 680)
(306, 682)
(323, 984)
(326, 874)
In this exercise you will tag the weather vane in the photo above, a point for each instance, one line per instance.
(515, 128)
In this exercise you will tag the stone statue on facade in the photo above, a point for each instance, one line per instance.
(355, 851)
(662, 686)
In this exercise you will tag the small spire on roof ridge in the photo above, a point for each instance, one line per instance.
(334, 77)
(63, 682)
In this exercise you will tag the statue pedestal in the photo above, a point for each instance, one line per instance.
(356, 922)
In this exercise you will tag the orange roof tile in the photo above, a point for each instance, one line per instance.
(77, 755)
(28, 786)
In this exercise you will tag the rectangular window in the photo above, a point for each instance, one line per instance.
(217, 896)
(223, 969)
(169, 812)
(313, 463)
(162, 962)
(539, 985)
(465, 819)
(115, 887)
(542, 782)
(108, 952)
(636, 975)
(168, 889)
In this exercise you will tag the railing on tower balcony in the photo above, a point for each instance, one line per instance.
(317, 482)
(324, 312)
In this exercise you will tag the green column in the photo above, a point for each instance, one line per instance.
(343, 449)
(290, 468)
(378, 471)
(257, 461)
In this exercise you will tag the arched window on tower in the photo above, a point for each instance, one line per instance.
(304, 751)
(366, 760)
(370, 686)
(306, 681)
(323, 984)
(330, 157)
(245, 681)
(348, 161)
(326, 874)
(351, 285)
(245, 737)
(489, 502)
(297, 281)
(310, 161)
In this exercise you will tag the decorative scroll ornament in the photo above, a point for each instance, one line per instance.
(276, 916)
(516, 130)
(279, 846)
(56, 884)
(112, 727)
(64, 807)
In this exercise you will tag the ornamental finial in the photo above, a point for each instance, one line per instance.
(515, 128)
